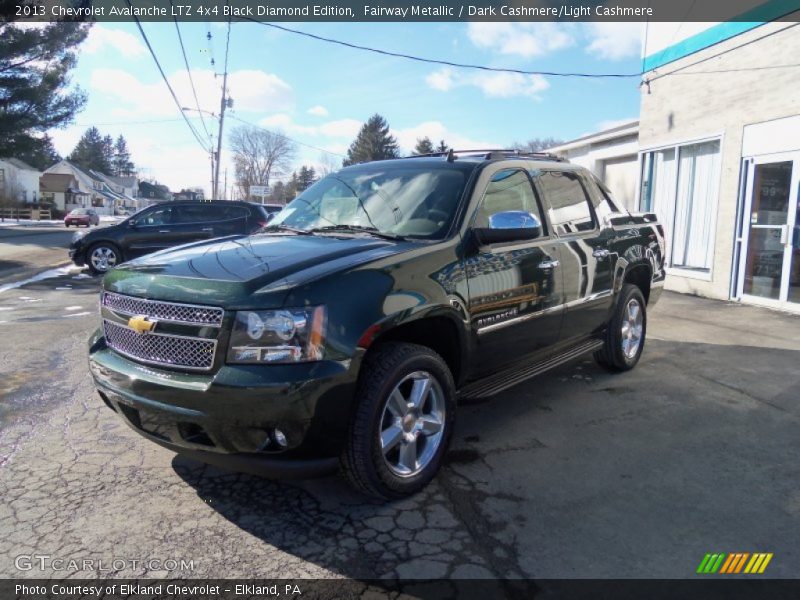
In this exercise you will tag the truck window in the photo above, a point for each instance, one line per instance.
(568, 204)
(509, 189)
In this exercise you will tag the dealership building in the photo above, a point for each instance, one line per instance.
(719, 157)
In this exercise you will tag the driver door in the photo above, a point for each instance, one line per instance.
(152, 230)
(515, 287)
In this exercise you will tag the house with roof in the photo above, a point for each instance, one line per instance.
(62, 192)
(100, 189)
(19, 181)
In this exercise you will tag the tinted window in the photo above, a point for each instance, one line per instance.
(509, 190)
(566, 198)
(233, 212)
(197, 213)
(160, 216)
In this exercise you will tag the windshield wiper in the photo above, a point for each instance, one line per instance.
(282, 227)
(361, 229)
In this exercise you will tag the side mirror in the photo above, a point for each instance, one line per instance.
(510, 226)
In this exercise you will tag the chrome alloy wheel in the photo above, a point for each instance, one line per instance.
(412, 424)
(103, 258)
(632, 327)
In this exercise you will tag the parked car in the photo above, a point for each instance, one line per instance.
(82, 216)
(163, 226)
(343, 334)
(273, 209)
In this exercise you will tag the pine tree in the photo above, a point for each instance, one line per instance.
(305, 178)
(35, 91)
(424, 146)
(108, 152)
(122, 165)
(373, 142)
(91, 151)
(442, 147)
(42, 156)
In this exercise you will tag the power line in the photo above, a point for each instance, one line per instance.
(437, 61)
(164, 77)
(283, 135)
(189, 72)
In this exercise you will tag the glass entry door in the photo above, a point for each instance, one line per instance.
(770, 263)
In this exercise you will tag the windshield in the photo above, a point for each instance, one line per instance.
(410, 202)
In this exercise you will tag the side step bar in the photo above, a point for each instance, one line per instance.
(498, 382)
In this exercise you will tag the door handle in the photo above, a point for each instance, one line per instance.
(208, 229)
(600, 252)
(164, 231)
(548, 264)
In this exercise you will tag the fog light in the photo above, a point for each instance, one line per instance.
(279, 438)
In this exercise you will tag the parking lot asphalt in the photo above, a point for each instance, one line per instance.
(578, 473)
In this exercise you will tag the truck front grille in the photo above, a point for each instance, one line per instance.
(161, 349)
(191, 314)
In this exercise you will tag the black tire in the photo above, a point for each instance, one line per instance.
(612, 355)
(112, 247)
(362, 459)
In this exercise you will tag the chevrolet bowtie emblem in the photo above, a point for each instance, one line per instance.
(141, 324)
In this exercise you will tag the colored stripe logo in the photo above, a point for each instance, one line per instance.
(733, 563)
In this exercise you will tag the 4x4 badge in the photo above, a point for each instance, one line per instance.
(141, 324)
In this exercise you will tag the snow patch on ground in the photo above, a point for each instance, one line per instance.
(49, 274)
(70, 308)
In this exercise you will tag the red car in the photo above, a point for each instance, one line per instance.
(82, 216)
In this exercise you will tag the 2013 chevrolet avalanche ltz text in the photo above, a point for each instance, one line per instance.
(344, 332)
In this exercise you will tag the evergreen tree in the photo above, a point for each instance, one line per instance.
(373, 142)
(41, 156)
(122, 165)
(305, 178)
(91, 151)
(424, 146)
(108, 152)
(442, 147)
(35, 91)
(278, 195)
(291, 188)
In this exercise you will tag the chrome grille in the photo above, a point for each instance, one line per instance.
(164, 311)
(161, 349)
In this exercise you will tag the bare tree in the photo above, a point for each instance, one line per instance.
(259, 155)
(326, 164)
(537, 144)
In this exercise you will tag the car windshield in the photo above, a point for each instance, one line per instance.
(409, 201)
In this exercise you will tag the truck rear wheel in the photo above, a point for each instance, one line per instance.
(624, 338)
(403, 421)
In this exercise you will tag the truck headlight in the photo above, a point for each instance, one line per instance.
(278, 336)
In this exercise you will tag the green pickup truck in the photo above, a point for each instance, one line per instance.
(342, 335)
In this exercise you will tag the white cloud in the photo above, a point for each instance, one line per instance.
(615, 41)
(318, 111)
(522, 39)
(493, 85)
(102, 38)
(341, 128)
(251, 90)
(436, 131)
(441, 80)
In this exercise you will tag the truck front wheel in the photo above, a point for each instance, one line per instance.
(403, 421)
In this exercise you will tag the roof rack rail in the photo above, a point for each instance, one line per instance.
(492, 154)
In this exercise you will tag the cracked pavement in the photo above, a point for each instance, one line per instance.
(578, 473)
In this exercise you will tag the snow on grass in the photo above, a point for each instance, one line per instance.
(49, 274)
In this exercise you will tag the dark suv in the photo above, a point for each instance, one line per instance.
(163, 226)
(344, 333)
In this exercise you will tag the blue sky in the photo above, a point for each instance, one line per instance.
(319, 94)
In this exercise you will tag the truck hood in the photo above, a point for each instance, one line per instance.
(231, 271)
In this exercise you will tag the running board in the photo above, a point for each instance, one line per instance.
(498, 382)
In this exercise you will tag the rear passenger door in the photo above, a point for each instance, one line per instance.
(585, 257)
(231, 220)
(194, 222)
(515, 300)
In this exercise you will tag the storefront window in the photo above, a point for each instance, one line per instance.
(680, 184)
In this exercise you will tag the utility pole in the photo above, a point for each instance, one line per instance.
(225, 185)
(224, 103)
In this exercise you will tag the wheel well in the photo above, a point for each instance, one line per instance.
(439, 334)
(641, 278)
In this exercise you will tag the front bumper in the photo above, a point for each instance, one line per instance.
(228, 418)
